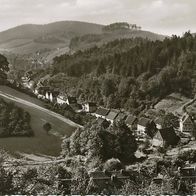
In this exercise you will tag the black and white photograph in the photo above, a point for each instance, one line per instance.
(97, 97)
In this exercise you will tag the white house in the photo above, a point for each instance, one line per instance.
(51, 95)
(89, 107)
(101, 112)
(143, 124)
(62, 99)
(112, 115)
(187, 125)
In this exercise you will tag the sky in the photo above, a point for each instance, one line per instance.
(161, 16)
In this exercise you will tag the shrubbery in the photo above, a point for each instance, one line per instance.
(14, 121)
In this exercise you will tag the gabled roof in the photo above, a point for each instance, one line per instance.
(91, 104)
(151, 113)
(144, 121)
(102, 111)
(72, 100)
(130, 119)
(121, 116)
(186, 118)
(62, 96)
(169, 135)
(102, 122)
(112, 114)
(158, 121)
(76, 106)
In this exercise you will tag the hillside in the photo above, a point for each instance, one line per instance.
(91, 40)
(31, 38)
(131, 73)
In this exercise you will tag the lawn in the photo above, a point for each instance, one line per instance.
(41, 143)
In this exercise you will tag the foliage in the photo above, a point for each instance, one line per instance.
(47, 127)
(94, 141)
(130, 73)
(14, 121)
(112, 165)
(4, 68)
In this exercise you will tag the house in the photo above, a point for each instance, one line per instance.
(121, 116)
(112, 115)
(151, 113)
(166, 136)
(76, 107)
(71, 100)
(51, 95)
(101, 112)
(103, 123)
(159, 123)
(188, 171)
(146, 126)
(89, 107)
(62, 99)
(41, 92)
(187, 125)
(130, 121)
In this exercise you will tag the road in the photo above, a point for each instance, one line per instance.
(41, 143)
(27, 103)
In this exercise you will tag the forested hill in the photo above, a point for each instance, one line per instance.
(131, 73)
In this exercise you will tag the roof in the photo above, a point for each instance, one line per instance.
(130, 119)
(76, 106)
(144, 121)
(186, 117)
(91, 104)
(151, 113)
(72, 100)
(42, 90)
(112, 114)
(102, 111)
(169, 135)
(121, 116)
(158, 121)
(100, 120)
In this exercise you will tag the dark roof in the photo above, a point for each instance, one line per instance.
(130, 119)
(43, 89)
(72, 100)
(169, 135)
(151, 113)
(100, 120)
(158, 121)
(76, 106)
(144, 121)
(121, 116)
(91, 104)
(102, 111)
(112, 114)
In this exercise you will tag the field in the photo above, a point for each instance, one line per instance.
(41, 143)
(173, 103)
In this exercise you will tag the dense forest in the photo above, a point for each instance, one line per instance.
(129, 73)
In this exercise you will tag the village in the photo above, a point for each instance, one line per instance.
(148, 126)
(107, 116)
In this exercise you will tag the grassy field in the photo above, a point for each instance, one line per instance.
(173, 103)
(41, 143)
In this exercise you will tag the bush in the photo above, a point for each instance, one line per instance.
(112, 165)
